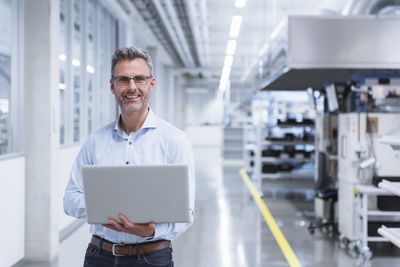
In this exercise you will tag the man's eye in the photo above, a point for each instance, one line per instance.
(140, 79)
(123, 79)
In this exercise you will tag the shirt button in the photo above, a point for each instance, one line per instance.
(127, 162)
(130, 143)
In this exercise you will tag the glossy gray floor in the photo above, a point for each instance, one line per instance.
(229, 230)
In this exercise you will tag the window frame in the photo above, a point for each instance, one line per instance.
(101, 98)
(15, 120)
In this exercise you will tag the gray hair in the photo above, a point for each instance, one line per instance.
(130, 53)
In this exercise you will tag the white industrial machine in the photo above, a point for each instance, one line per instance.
(309, 52)
(362, 158)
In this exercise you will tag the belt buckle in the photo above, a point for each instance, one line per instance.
(113, 249)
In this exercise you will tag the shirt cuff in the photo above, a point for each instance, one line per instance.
(159, 230)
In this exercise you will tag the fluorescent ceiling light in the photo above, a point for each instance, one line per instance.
(62, 57)
(228, 61)
(90, 69)
(240, 3)
(231, 47)
(222, 85)
(226, 71)
(76, 62)
(62, 86)
(235, 26)
(224, 77)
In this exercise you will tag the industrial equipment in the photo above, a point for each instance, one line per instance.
(325, 202)
(363, 161)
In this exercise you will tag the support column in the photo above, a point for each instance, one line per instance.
(41, 128)
(172, 108)
(155, 98)
(181, 102)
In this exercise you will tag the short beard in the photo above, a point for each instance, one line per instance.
(128, 108)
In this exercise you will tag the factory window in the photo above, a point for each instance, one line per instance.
(87, 41)
(90, 64)
(5, 74)
(76, 66)
(63, 69)
(9, 80)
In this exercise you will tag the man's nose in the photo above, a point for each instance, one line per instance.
(132, 84)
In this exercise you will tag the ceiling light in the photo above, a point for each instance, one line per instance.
(222, 85)
(231, 47)
(76, 62)
(90, 69)
(62, 86)
(226, 71)
(235, 26)
(62, 57)
(228, 61)
(240, 3)
(224, 76)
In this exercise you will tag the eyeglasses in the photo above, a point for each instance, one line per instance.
(124, 80)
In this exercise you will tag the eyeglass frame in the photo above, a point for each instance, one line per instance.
(134, 79)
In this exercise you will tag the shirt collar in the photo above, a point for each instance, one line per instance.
(149, 122)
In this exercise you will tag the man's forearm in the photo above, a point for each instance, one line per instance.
(74, 204)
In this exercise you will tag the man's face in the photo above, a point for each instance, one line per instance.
(132, 96)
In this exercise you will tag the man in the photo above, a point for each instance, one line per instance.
(138, 137)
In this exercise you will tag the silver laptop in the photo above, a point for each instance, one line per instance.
(148, 193)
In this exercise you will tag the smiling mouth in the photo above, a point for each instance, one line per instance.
(132, 97)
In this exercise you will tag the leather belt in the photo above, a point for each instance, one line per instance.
(130, 249)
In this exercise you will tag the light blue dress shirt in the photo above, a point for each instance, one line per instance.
(157, 142)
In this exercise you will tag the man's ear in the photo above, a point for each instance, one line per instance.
(112, 86)
(152, 84)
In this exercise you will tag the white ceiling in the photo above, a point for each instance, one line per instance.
(210, 22)
(260, 17)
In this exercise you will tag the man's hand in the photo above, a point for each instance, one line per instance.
(143, 230)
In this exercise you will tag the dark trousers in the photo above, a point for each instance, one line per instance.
(96, 258)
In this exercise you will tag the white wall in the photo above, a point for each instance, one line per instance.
(204, 135)
(66, 159)
(158, 98)
(166, 100)
(203, 105)
(12, 207)
(180, 102)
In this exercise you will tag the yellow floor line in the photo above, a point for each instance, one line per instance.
(276, 232)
